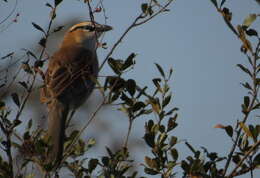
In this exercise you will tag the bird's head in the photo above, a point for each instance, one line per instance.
(85, 34)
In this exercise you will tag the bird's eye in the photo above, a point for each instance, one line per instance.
(90, 28)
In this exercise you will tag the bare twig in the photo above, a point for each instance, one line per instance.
(128, 131)
(11, 13)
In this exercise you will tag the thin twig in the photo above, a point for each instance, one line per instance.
(133, 24)
(82, 130)
(9, 152)
(9, 15)
(128, 131)
(163, 8)
(11, 83)
(253, 148)
(35, 74)
(92, 18)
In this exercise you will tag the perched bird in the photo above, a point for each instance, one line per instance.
(68, 81)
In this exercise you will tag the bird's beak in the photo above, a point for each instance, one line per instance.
(104, 28)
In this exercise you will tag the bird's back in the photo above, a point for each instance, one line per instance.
(70, 75)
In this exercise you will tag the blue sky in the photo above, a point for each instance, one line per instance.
(192, 39)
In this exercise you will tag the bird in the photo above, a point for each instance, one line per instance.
(69, 79)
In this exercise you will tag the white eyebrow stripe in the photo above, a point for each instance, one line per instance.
(79, 25)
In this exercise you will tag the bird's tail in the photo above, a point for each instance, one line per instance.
(58, 112)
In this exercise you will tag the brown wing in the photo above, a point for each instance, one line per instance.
(68, 68)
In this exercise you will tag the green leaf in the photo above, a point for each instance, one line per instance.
(57, 2)
(155, 105)
(144, 7)
(236, 159)
(247, 86)
(29, 124)
(110, 152)
(246, 101)
(40, 146)
(26, 135)
(115, 65)
(48, 5)
(243, 68)
(156, 82)
(257, 106)
(251, 32)
(229, 130)
(17, 122)
(150, 171)
(172, 123)
(160, 70)
(126, 99)
(249, 20)
(150, 10)
(131, 86)
(166, 101)
(149, 125)
(173, 141)
(150, 162)
(38, 27)
(74, 134)
(137, 106)
(174, 154)
(213, 156)
(222, 3)
(92, 164)
(105, 160)
(91, 142)
(215, 3)
(42, 42)
(171, 111)
(245, 129)
(258, 81)
(185, 166)
(149, 139)
(129, 61)
(170, 73)
(15, 98)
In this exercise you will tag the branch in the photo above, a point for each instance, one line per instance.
(163, 8)
(253, 148)
(35, 74)
(135, 23)
(253, 100)
(67, 151)
(128, 131)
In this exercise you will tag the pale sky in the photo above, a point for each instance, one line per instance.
(192, 39)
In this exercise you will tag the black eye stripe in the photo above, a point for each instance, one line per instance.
(89, 27)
